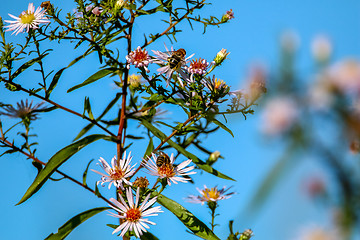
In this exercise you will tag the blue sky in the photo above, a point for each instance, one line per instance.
(253, 36)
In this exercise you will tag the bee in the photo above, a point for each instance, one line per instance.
(162, 159)
(176, 58)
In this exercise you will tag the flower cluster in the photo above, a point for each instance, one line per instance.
(119, 173)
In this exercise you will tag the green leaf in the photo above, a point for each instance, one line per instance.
(74, 222)
(149, 149)
(202, 165)
(90, 125)
(55, 161)
(187, 218)
(96, 76)
(54, 82)
(87, 108)
(27, 65)
(86, 171)
(148, 236)
(220, 124)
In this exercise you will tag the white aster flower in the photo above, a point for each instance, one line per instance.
(134, 216)
(164, 58)
(210, 195)
(27, 19)
(168, 170)
(118, 171)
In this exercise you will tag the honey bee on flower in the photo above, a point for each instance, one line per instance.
(172, 61)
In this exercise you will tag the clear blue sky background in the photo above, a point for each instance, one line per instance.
(252, 36)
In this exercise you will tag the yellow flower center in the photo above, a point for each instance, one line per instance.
(27, 17)
(133, 215)
(116, 173)
(211, 193)
(167, 170)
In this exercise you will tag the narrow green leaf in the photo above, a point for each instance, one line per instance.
(86, 171)
(149, 149)
(74, 222)
(202, 165)
(55, 161)
(187, 218)
(220, 124)
(27, 65)
(54, 82)
(148, 236)
(96, 76)
(90, 125)
(87, 108)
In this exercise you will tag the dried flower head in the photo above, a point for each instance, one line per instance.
(27, 19)
(134, 217)
(141, 182)
(139, 58)
(134, 80)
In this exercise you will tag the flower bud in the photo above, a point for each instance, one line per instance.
(246, 235)
(141, 182)
(134, 81)
(213, 157)
(229, 15)
(321, 49)
(119, 5)
(221, 56)
(47, 6)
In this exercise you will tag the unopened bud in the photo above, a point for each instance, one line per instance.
(221, 56)
(119, 5)
(214, 157)
(134, 80)
(321, 49)
(229, 15)
(246, 235)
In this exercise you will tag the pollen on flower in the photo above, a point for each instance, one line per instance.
(139, 57)
(166, 170)
(198, 66)
(117, 173)
(133, 215)
(211, 193)
(27, 17)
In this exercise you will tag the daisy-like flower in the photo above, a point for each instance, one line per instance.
(168, 59)
(168, 170)
(139, 57)
(197, 66)
(210, 195)
(118, 171)
(134, 216)
(27, 19)
(24, 110)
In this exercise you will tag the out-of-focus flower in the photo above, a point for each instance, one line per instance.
(27, 19)
(139, 58)
(227, 16)
(315, 186)
(289, 41)
(197, 66)
(345, 75)
(318, 233)
(134, 80)
(256, 83)
(168, 170)
(118, 171)
(354, 146)
(24, 110)
(141, 182)
(134, 217)
(279, 115)
(321, 94)
(221, 56)
(172, 61)
(97, 11)
(321, 48)
(210, 195)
